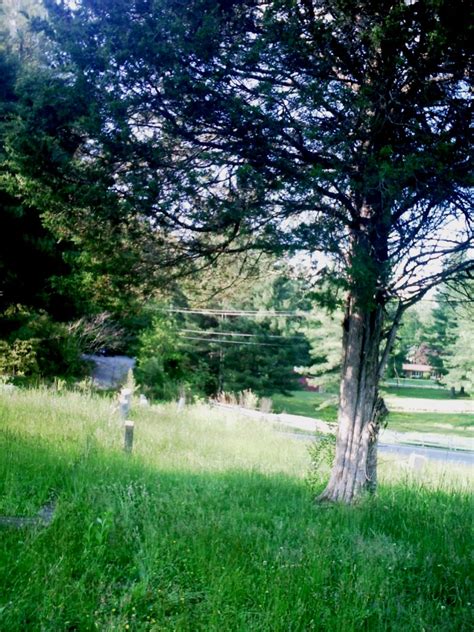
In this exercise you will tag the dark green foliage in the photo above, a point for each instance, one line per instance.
(251, 355)
(223, 121)
(30, 257)
(37, 346)
(47, 277)
(252, 339)
(163, 365)
(31, 263)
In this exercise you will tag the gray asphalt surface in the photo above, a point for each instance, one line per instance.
(447, 448)
(462, 457)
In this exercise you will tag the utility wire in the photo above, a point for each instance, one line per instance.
(231, 342)
(466, 301)
(223, 312)
(286, 314)
(235, 333)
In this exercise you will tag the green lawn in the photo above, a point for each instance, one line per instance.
(308, 404)
(440, 423)
(422, 393)
(407, 381)
(210, 525)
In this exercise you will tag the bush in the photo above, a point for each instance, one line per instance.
(18, 359)
(166, 365)
(37, 346)
(57, 351)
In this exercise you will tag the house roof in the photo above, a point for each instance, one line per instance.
(417, 367)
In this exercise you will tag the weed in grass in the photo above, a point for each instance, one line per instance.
(321, 452)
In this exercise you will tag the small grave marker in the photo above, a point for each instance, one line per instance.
(125, 400)
(128, 442)
(417, 462)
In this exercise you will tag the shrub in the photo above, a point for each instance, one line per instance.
(37, 346)
(18, 359)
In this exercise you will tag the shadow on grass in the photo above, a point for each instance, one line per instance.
(238, 550)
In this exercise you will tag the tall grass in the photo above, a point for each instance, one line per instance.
(211, 525)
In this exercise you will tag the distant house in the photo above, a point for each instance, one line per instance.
(418, 363)
(417, 370)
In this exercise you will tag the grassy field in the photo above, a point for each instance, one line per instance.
(418, 383)
(211, 525)
(461, 424)
(423, 393)
(308, 404)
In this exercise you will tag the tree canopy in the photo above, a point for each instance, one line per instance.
(283, 125)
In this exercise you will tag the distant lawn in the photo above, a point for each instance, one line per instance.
(421, 393)
(306, 404)
(440, 423)
(407, 381)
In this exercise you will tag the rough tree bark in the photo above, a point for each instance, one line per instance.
(358, 420)
(361, 410)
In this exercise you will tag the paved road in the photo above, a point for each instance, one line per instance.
(462, 457)
(450, 448)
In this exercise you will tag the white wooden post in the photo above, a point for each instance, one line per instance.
(181, 404)
(181, 400)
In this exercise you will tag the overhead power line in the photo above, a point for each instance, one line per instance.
(231, 312)
(237, 334)
(230, 342)
(449, 301)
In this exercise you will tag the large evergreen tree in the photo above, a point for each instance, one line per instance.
(288, 125)
(459, 364)
(440, 334)
(456, 352)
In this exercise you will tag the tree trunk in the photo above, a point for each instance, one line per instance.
(360, 409)
(380, 412)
